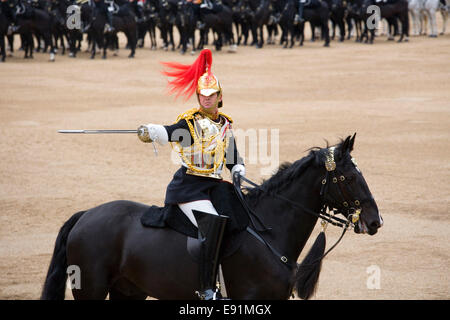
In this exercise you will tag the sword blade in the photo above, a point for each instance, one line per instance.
(97, 131)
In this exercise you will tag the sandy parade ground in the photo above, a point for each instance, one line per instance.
(395, 96)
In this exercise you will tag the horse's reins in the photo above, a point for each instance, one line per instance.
(352, 212)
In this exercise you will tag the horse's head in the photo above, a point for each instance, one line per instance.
(345, 190)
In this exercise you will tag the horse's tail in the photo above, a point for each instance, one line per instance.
(55, 282)
(308, 272)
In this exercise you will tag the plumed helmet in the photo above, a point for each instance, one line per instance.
(197, 77)
(208, 84)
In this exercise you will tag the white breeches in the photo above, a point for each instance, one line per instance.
(200, 205)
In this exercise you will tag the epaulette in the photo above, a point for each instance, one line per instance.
(187, 115)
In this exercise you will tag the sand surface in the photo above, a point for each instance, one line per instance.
(395, 96)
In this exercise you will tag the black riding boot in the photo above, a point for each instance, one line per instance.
(299, 16)
(110, 19)
(211, 228)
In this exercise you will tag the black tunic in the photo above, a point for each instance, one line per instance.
(186, 187)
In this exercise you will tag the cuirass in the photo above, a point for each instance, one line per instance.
(206, 156)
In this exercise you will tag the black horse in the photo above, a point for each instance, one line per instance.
(186, 22)
(338, 12)
(117, 255)
(6, 18)
(355, 14)
(394, 11)
(317, 13)
(259, 17)
(368, 34)
(150, 11)
(286, 22)
(34, 21)
(220, 21)
(124, 21)
(167, 18)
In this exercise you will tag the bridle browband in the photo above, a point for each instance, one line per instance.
(350, 208)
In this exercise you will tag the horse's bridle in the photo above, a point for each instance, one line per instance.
(350, 208)
(346, 205)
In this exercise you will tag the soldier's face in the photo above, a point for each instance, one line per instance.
(209, 103)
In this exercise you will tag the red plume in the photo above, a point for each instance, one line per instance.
(185, 77)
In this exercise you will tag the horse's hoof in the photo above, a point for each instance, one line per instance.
(326, 45)
(232, 48)
(131, 56)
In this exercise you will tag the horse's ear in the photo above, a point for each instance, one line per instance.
(351, 143)
(345, 146)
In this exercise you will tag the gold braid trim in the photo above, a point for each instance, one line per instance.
(219, 150)
(188, 115)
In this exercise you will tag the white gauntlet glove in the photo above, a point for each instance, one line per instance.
(238, 168)
(153, 133)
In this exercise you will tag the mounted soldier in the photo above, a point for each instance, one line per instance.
(105, 7)
(204, 140)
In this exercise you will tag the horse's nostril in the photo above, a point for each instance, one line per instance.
(375, 225)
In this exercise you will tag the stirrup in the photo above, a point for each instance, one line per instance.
(86, 28)
(297, 19)
(12, 29)
(108, 28)
(200, 25)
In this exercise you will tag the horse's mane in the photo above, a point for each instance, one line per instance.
(288, 172)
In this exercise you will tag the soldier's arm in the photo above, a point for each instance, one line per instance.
(234, 161)
(178, 132)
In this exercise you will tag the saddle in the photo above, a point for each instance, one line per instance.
(224, 200)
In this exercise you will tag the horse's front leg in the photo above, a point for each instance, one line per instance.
(105, 45)
(261, 38)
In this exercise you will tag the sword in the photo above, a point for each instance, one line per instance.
(98, 131)
(104, 132)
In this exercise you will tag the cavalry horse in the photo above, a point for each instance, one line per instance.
(318, 14)
(120, 257)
